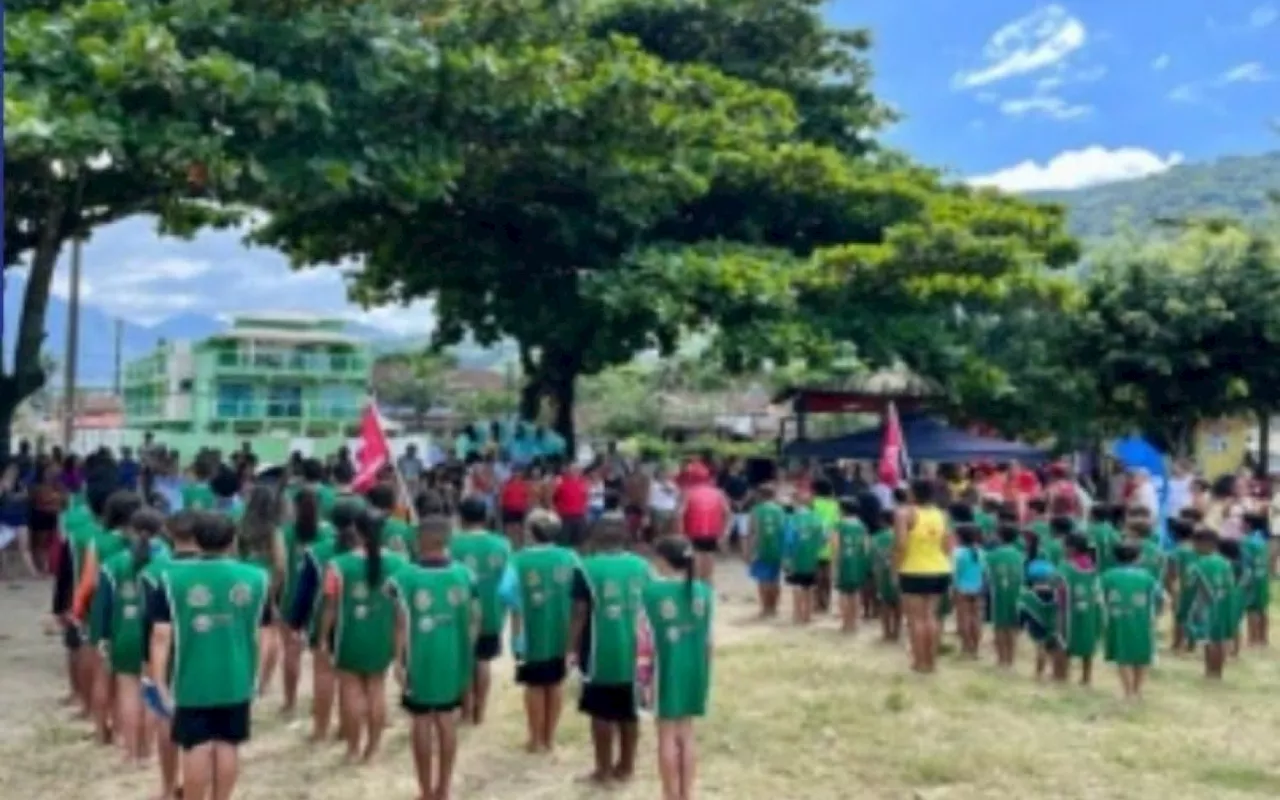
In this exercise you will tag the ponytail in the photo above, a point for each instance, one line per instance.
(146, 524)
(369, 529)
(678, 553)
(306, 517)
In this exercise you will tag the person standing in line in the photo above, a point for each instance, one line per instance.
(486, 554)
(679, 610)
(923, 559)
(607, 596)
(208, 623)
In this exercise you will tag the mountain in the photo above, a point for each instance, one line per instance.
(1237, 186)
(97, 348)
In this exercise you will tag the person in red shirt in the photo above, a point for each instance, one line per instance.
(570, 499)
(704, 517)
(514, 502)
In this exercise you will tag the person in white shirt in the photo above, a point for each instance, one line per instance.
(1179, 496)
(664, 499)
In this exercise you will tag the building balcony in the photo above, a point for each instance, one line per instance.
(326, 366)
(252, 411)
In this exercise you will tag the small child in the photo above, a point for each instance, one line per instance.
(1005, 570)
(1151, 557)
(1103, 536)
(888, 596)
(806, 538)
(1211, 582)
(970, 584)
(1054, 547)
(768, 522)
(1083, 598)
(1257, 601)
(852, 563)
(1039, 608)
(987, 518)
(1183, 558)
(1231, 551)
(1129, 596)
(1038, 518)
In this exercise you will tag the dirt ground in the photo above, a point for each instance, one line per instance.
(795, 714)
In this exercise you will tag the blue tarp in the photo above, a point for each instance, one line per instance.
(926, 440)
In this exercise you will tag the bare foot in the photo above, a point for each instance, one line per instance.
(532, 747)
(621, 775)
(596, 778)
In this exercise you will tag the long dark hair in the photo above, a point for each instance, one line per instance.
(306, 516)
(346, 515)
(369, 528)
(146, 524)
(678, 553)
(260, 522)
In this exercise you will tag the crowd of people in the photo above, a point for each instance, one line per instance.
(184, 596)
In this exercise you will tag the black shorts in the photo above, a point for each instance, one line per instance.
(488, 646)
(541, 673)
(573, 531)
(928, 585)
(72, 639)
(702, 545)
(416, 708)
(803, 580)
(609, 702)
(193, 727)
(512, 517)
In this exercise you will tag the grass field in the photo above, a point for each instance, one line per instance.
(796, 714)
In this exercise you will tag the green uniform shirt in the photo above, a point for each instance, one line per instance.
(1129, 597)
(987, 523)
(486, 554)
(1105, 538)
(105, 544)
(294, 553)
(215, 606)
(1257, 558)
(1005, 565)
(680, 617)
(617, 582)
(768, 524)
(1084, 610)
(1211, 617)
(853, 557)
(365, 619)
(127, 597)
(198, 497)
(400, 536)
(808, 537)
(544, 574)
(438, 610)
(882, 569)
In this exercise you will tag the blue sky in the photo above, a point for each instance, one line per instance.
(1111, 89)
(1005, 92)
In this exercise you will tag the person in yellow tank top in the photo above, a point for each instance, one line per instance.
(924, 571)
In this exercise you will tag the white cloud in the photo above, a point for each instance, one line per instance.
(1186, 93)
(1161, 62)
(1076, 169)
(60, 285)
(1031, 43)
(415, 319)
(1090, 74)
(137, 271)
(1251, 72)
(1053, 107)
(1263, 16)
(1048, 84)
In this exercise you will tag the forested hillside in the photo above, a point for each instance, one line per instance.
(1238, 186)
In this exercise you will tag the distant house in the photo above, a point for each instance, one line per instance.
(283, 373)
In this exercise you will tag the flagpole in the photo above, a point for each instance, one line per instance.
(401, 486)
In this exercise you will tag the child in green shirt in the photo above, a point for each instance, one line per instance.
(1129, 596)
(851, 547)
(1005, 569)
(888, 597)
(1211, 618)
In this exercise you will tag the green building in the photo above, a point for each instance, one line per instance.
(269, 379)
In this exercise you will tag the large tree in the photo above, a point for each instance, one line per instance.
(680, 172)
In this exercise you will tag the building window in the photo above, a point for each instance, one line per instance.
(338, 402)
(284, 402)
(235, 400)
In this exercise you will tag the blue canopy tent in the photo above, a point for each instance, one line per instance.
(926, 440)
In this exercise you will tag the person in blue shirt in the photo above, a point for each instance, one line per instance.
(969, 585)
(128, 470)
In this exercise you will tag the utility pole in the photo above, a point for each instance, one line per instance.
(119, 356)
(73, 348)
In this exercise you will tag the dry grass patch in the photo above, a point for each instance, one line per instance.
(796, 714)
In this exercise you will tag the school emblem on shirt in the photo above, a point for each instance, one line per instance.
(203, 623)
(455, 596)
(359, 590)
(562, 575)
(422, 600)
(130, 612)
(426, 624)
(199, 596)
(668, 609)
(361, 611)
(1139, 601)
(699, 606)
(531, 578)
(673, 635)
(128, 591)
(241, 594)
(472, 563)
(611, 589)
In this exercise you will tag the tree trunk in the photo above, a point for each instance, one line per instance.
(563, 391)
(9, 401)
(531, 398)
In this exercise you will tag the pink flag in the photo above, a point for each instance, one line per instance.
(894, 467)
(374, 453)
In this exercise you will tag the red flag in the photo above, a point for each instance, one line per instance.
(373, 452)
(894, 466)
